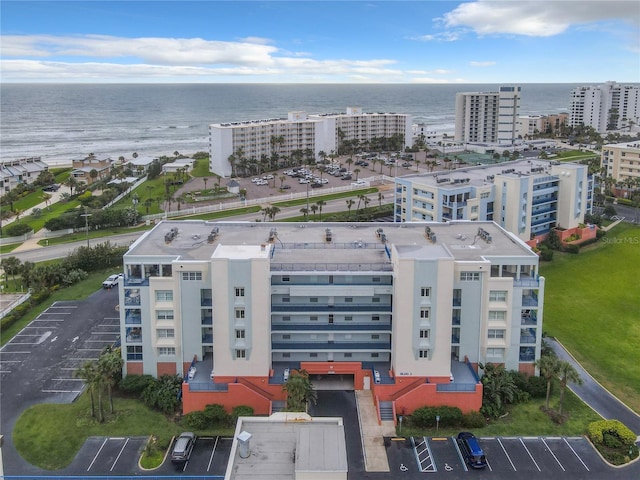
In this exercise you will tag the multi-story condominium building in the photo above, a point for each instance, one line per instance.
(610, 106)
(83, 167)
(24, 170)
(408, 310)
(622, 160)
(526, 197)
(532, 125)
(488, 117)
(301, 132)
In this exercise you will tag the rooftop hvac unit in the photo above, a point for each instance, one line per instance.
(327, 235)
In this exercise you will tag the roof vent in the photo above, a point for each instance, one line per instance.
(327, 235)
(171, 235)
(273, 233)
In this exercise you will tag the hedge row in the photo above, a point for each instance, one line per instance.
(425, 417)
(18, 312)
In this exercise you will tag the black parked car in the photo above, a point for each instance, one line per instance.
(471, 450)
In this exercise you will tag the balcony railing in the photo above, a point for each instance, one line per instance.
(457, 301)
(529, 319)
(207, 320)
(529, 301)
(455, 339)
(207, 338)
(527, 339)
(331, 327)
(324, 308)
(132, 318)
(136, 282)
(132, 300)
(456, 387)
(205, 302)
(331, 267)
(527, 357)
(331, 347)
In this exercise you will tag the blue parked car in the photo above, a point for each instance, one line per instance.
(471, 450)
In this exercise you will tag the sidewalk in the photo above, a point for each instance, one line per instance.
(375, 454)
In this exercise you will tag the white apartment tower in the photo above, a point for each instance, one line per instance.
(606, 107)
(488, 117)
(309, 134)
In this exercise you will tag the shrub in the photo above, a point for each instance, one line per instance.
(546, 254)
(216, 414)
(473, 420)
(135, 384)
(425, 417)
(597, 430)
(17, 229)
(197, 420)
(572, 248)
(241, 411)
(536, 387)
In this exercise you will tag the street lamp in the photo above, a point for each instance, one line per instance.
(437, 422)
(308, 201)
(86, 223)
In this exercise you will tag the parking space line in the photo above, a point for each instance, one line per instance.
(49, 320)
(61, 391)
(507, 455)
(530, 456)
(10, 361)
(9, 351)
(554, 455)
(213, 452)
(96, 455)
(464, 464)
(119, 453)
(576, 454)
(431, 467)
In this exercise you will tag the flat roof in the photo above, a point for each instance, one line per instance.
(286, 443)
(356, 244)
(482, 175)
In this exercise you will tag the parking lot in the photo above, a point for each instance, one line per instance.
(507, 457)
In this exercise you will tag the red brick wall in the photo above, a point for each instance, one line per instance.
(166, 368)
(134, 368)
(527, 369)
(237, 394)
(426, 395)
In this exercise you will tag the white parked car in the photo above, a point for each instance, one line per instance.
(112, 280)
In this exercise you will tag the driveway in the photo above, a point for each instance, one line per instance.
(595, 395)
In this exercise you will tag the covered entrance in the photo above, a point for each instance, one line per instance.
(341, 381)
(342, 376)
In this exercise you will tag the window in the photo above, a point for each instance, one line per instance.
(375, 279)
(423, 353)
(497, 296)
(240, 334)
(424, 313)
(495, 353)
(166, 351)
(164, 314)
(164, 295)
(331, 318)
(375, 336)
(239, 291)
(241, 353)
(286, 299)
(424, 333)
(484, 195)
(239, 313)
(286, 318)
(191, 275)
(469, 276)
(286, 355)
(375, 355)
(375, 300)
(165, 333)
(348, 355)
(286, 336)
(134, 352)
(313, 355)
(313, 318)
(497, 315)
(348, 299)
(286, 278)
(474, 209)
(425, 292)
(496, 333)
(348, 318)
(375, 318)
(313, 300)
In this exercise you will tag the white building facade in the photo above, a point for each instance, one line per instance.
(526, 197)
(488, 117)
(408, 304)
(301, 132)
(605, 107)
(622, 160)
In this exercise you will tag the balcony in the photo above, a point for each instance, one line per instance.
(207, 338)
(331, 267)
(527, 354)
(529, 318)
(457, 301)
(133, 317)
(324, 346)
(136, 282)
(330, 327)
(324, 308)
(132, 300)
(529, 300)
(207, 320)
(455, 339)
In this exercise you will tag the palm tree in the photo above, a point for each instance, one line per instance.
(110, 367)
(11, 266)
(265, 213)
(380, 198)
(567, 374)
(88, 373)
(314, 209)
(273, 211)
(350, 203)
(205, 180)
(299, 390)
(305, 211)
(548, 365)
(356, 171)
(320, 204)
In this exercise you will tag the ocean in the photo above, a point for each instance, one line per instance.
(63, 122)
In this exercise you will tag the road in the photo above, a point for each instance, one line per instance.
(52, 252)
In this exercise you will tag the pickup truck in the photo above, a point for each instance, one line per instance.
(112, 280)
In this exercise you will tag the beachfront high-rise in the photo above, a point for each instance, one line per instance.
(406, 310)
(488, 117)
(526, 197)
(307, 134)
(605, 107)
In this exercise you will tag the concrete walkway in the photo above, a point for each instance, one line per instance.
(375, 454)
(595, 395)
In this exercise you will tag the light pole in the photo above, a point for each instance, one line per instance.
(308, 201)
(437, 422)
(86, 223)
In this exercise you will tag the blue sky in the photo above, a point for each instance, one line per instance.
(478, 41)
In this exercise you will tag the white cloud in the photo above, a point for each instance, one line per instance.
(449, 36)
(482, 64)
(540, 18)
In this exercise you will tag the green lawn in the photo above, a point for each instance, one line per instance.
(592, 305)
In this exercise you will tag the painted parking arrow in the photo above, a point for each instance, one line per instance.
(74, 339)
(54, 338)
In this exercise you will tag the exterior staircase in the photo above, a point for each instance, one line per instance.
(386, 411)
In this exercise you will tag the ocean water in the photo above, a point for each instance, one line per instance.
(63, 122)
